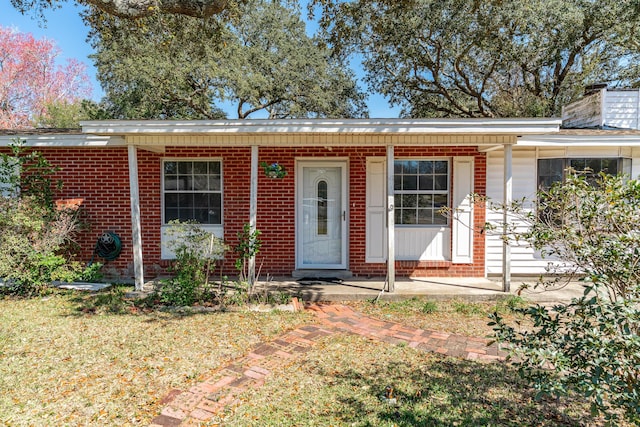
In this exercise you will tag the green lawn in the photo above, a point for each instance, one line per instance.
(65, 360)
(60, 365)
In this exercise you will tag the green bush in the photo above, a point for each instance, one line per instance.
(36, 238)
(196, 251)
(590, 345)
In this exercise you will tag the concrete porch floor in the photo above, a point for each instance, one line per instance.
(436, 288)
(433, 288)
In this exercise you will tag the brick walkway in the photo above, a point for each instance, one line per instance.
(203, 402)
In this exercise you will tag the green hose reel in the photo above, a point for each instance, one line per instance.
(108, 246)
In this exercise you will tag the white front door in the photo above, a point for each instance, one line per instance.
(322, 217)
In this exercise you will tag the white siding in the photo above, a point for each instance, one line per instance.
(584, 113)
(423, 243)
(621, 109)
(524, 260)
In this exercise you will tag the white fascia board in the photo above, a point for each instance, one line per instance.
(356, 126)
(62, 140)
(578, 141)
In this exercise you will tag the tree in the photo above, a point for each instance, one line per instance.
(133, 9)
(181, 67)
(493, 58)
(30, 80)
(592, 344)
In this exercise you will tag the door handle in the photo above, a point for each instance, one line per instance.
(344, 215)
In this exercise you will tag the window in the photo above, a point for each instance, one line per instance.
(192, 191)
(554, 170)
(421, 189)
(321, 200)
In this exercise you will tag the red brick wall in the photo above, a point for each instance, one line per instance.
(100, 176)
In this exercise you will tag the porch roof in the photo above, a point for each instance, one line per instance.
(323, 126)
(583, 138)
(156, 134)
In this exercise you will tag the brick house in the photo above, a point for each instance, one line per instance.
(361, 198)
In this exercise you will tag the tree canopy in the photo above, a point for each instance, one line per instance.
(486, 58)
(171, 66)
(133, 9)
(31, 81)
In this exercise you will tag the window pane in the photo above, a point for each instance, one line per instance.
(201, 200)
(201, 215)
(426, 182)
(397, 167)
(171, 182)
(200, 183)
(410, 167)
(578, 164)
(441, 182)
(171, 200)
(609, 166)
(425, 200)
(170, 168)
(170, 214)
(185, 183)
(439, 219)
(214, 168)
(549, 171)
(185, 200)
(409, 182)
(186, 215)
(409, 200)
(409, 216)
(441, 167)
(425, 216)
(321, 208)
(185, 167)
(200, 168)
(215, 216)
(440, 201)
(425, 167)
(215, 200)
(214, 183)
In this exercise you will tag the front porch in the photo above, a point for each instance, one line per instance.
(435, 288)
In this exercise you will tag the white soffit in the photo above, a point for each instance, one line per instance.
(354, 126)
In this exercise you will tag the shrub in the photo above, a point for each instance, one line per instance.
(36, 238)
(196, 251)
(590, 345)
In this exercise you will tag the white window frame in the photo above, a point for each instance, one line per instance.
(216, 229)
(447, 223)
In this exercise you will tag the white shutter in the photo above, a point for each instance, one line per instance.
(376, 238)
(462, 204)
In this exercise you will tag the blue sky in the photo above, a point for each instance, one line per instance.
(65, 27)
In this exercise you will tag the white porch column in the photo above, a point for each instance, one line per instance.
(391, 220)
(136, 234)
(253, 208)
(506, 200)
